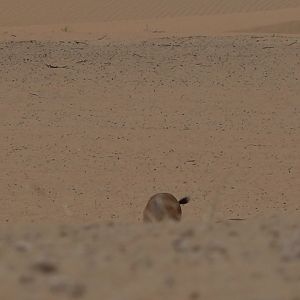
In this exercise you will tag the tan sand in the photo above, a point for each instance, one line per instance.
(257, 259)
(105, 103)
(123, 19)
(34, 12)
(213, 118)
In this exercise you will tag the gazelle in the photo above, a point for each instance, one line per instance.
(163, 206)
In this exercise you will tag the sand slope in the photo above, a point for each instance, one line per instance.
(123, 18)
(35, 12)
(216, 118)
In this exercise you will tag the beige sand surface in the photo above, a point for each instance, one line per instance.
(33, 12)
(123, 19)
(257, 259)
(214, 118)
(104, 103)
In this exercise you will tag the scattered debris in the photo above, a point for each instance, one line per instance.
(81, 61)
(102, 38)
(45, 266)
(84, 43)
(56, 67)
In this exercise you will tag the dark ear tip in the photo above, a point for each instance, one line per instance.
(184, 200)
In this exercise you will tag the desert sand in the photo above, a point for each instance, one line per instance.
(105, 103)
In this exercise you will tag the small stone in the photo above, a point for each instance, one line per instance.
(45, 267)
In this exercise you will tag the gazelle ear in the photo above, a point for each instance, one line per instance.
(184, 200)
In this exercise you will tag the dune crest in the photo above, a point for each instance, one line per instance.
(34, 12)
(144, 19)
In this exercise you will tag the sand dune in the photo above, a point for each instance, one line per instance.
(35, 12)
(122, 18)
(292, 27)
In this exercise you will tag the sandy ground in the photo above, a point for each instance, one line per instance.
(143, 19)
(256, 259)
(104, 103)
(213, 118)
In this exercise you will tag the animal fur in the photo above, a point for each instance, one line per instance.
(163, 206)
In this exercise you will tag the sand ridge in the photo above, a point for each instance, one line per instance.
(144, 19)
(34, 12)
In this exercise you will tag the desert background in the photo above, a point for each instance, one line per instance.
(105, 103)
